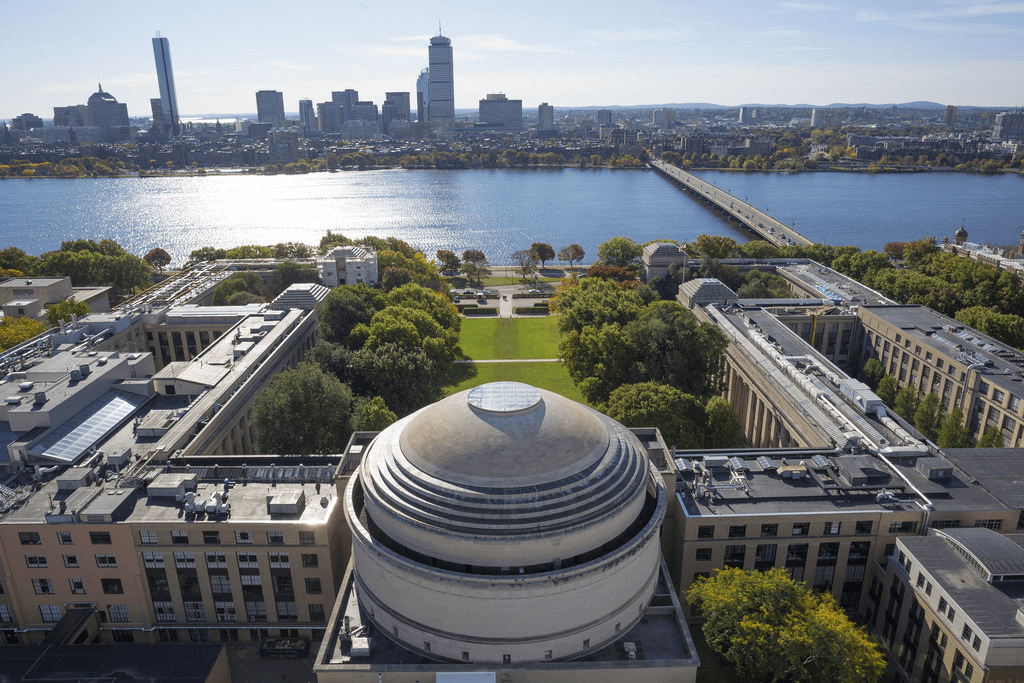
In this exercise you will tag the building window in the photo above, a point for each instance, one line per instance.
(316, 613)
(734, 556)
(36, 561)
(863, 527)
(943, 605)
(225, 611)
(106, 561)
(211, 537)
(737, 530)
(243, 537)
(50, 613)
(179, 537)
(71, 561)
(279, 561)
(307, 538)
(967, 633)
(194, 611)
(769, 529)
(994, 524)
(998, 396)
(248, 561)
(832, 528)
(185, 560)
(100, 537)
(801, 528)
(147, 537)
(65, 538)
(706, 531)
(42, 586)
(983, 387)
(920, 579)
(164, 611)
(29, 538)
(275, 537)
(905, 527)
(976, 644)
(153, 560)
(313, 586)
(5, 614)
(112, 586)
(287, 611)
(703, 554)
(220, 583)
(310, 560)
(77, 586)
(951, 615)
(216, 560)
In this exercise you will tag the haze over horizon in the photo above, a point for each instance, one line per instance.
(961, 52)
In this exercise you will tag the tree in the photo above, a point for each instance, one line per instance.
(447, 260)
(63, 310)
(907, 399)
(393, 277)
(436, 305)
(374, 415)
(345, 307)
(724, 429)
(714, 246)
(157, 258)
(772, 628)
(14, 331)
(204, 254)
(474, 256)
(572, 253)
(992, 438)
(239, 282)
(928, 416)
(679, 416)
(616, 273)
(953, 433)
(525, 261)
(619, 251)
(303, 411)
(542, 252)
(288, 273)
(887, 388)
(872, 372)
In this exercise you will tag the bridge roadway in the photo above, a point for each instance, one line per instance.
(755, 220)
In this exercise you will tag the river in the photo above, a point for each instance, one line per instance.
(497, 211)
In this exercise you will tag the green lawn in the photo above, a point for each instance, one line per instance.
(512, 338)
(489, 338)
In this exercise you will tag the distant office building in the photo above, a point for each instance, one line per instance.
(330, 116)
(1009, 126)
(396, 108)
(283, 146)
(105, 118)
(747, 114)
(347, 266)
(423, 96)
(270, 107)
(307, 116)
(825, 118)
(545, 117)
(664, 118)
(159, 127)
(498, 110)
(604, 117)
(441, 87)
(165, 77)
(950, 118)
(26, 122)
(346, 99)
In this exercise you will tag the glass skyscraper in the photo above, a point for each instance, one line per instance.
(165, 75)
(441, 106)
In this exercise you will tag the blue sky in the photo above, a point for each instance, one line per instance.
(602, 52)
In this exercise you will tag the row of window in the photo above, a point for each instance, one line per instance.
(70, 561)
(225, 611)
(181, 536)
(804, 529)
(109, 586)
(64, 538)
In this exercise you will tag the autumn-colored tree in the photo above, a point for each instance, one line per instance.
(572, 253)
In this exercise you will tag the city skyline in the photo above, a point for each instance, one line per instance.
(767, 52)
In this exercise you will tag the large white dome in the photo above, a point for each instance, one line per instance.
(475, 517)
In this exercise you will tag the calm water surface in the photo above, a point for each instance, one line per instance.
(498, 211)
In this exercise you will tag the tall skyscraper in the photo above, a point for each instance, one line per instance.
(423, 96)
(270, 107)
(545, 117)
(307, 116)
(165, 76)
(498, 110)
(442, 82)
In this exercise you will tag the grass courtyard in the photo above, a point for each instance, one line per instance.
(514, 339)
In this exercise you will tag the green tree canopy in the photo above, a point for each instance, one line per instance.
(448, 260)
(992, 438)
(245, 281)
(887, 388)
(157, 258)
(928, 416)
(14, 331)
(345, 307)
(772, 628)
(303, 411)
(953, 433)
(872, 372)
(374, 415)
(619, 251)
(679, 416)
(714, 246)
(63, 310)
(288, 273)
(907, 399)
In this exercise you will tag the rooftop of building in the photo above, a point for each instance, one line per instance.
(164, 663)
(992, 607)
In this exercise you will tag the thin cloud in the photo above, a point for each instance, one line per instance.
(982, 9)
(292, 65)
(636, 35)
(495, 43)
(960, 28)
(796, 5)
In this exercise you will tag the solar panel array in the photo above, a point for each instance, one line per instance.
(72, 439)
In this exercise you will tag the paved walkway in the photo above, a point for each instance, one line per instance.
(513, 360)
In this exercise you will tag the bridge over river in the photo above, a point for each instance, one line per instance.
(755, 220)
